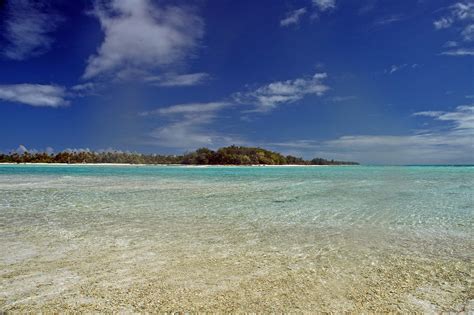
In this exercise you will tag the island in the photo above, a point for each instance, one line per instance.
(231, 155)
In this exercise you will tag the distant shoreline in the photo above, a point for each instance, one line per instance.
(178, 165)
(227, 156)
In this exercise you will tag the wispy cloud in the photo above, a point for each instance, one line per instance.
(140, 36)
(396, 68)
(189, 108)
(468, 33)
(458, 12)
(296, 144)
(34, 94)
(178, 79)
(29, 26)
(367, 7)
(450, 44)
(443, 23)
(386, 20)
(187, 126)
(462, 117)
(339, 99)
(293, 17)
(318, 7)
(325, 5)
(459, 52)
(450, 144)
(461, 15)
(85, 89)
(270, 96)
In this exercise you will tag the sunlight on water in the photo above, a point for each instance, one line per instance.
(236, 239)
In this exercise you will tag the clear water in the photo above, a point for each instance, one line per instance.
(144, 238)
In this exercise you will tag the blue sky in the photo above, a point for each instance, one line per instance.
(383, 82)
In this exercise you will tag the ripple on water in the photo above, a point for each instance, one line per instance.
(240, 239)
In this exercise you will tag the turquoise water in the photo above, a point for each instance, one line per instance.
(133, 238)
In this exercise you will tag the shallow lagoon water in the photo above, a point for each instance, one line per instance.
(144, 238)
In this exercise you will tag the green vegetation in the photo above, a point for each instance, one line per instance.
(232, 155)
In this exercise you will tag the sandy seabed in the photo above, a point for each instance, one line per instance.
(256, 241)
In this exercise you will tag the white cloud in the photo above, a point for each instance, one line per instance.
(410, 149)
(325, 5)
(178, 79)
(459, 52)
(191, 133)
(367, 7)
(34, 94)
(463, 10)
(28, 28)
(463, 117)
(270, 96)
(293, 17)
(188, 126)
(450, 44)
(460, 14)
(396, 68)
(388, 20)
(83, 87)
(140, 36)
(190, 108)
(443, 23)
(296, 144)
(21, 149)
(468, 33)
(452, 144)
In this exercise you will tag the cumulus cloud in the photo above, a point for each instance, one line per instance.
(172, 80)
(28, 28)
(34, 94)
(270, 96)
(187, 126)
(140, 36)
(293, 17)
(325, 5)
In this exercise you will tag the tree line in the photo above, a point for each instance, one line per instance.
(233, 155)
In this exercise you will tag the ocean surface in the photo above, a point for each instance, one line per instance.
(170, 238)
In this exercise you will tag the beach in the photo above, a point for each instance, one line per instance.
(236, 239)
